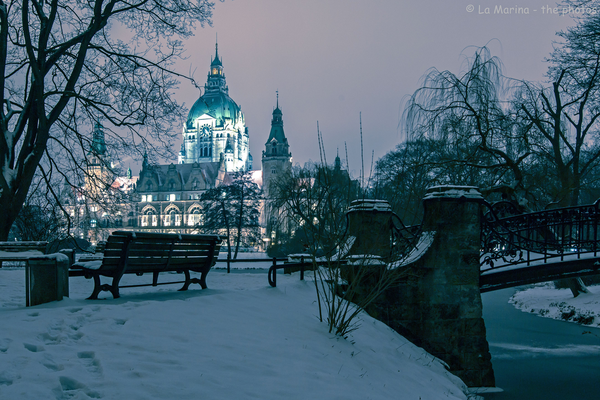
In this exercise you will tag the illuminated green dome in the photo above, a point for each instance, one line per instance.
(216, 101)
(216, 104)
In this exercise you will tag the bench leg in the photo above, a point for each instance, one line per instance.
(98, 287)
(189, 281)
(115, 287)
(203, 279)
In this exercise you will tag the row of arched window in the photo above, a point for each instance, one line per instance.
(171, 218)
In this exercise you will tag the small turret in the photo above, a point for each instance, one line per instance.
(99, 169)
(98, 147)
(276, 157)
(216, 76)
(277, 144)
(337, 166)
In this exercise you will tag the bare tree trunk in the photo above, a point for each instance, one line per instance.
(577, 286)
(227, 228)
(6, 222)
(240, 223)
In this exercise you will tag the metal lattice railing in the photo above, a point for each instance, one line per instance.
(562, 234)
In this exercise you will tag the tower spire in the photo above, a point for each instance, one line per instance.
(216, 45)
(216, 62)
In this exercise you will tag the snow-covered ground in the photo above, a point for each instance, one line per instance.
(546, 301)
(239, 339)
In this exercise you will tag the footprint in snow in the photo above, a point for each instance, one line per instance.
(4, 343)
(34, 348)
(72, 388)
(49, 363)
(7, 378)
(89, 360)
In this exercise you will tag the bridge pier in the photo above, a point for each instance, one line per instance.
(438, 307)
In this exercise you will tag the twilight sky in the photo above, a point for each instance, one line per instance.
(331, 59)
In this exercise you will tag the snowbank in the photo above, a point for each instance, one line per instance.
(546, 301)
(239, 339)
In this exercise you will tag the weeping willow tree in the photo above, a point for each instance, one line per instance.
(470, 118)
(526, 140)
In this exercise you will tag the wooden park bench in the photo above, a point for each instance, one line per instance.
(21, 251)
(143, 252)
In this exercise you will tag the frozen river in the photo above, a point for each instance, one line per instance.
(540, 358)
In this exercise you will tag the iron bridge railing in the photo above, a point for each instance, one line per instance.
(564, 234)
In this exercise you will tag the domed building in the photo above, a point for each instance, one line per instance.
(168, 197)
(215, 126)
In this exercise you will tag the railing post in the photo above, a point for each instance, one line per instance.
(274, 271)
(228, 262)
(302, 268)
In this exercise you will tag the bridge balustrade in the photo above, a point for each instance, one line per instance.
(557, 235)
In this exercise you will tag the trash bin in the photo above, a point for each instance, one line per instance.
(46, 279)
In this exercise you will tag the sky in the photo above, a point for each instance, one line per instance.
(334, 60)
(238, 339)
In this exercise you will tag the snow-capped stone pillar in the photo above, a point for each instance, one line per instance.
(370, 222)
(452, 326)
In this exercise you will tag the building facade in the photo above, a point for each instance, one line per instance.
(167, 198)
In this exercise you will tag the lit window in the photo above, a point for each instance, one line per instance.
(194, 218)
(144, 198)
(93, 223)
(172, 217)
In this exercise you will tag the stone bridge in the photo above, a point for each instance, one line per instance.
(469, 250)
